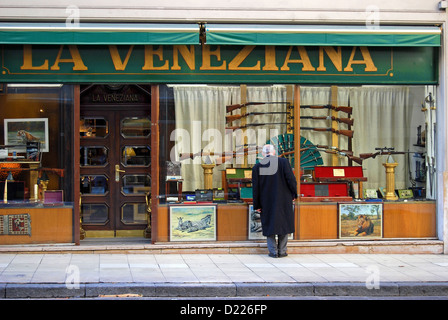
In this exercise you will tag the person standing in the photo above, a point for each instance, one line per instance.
(274, 189)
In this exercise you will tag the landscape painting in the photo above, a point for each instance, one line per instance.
(192, 223)
(363, 221)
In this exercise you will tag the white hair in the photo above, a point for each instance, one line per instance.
(268, 149)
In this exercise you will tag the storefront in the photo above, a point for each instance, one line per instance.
(151, 130)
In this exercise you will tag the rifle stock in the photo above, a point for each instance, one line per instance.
(368, 155)
(233, 107)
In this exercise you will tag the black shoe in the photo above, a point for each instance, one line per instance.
(281, 255)
(273, 255)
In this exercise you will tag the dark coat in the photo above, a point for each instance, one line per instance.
(273, 193)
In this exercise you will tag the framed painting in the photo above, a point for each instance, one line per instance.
(255, 231)
(254, 223)
(20, 131)
(192, 223)
(360, 220)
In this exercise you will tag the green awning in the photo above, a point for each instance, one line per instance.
(99, 33)
(313, 35)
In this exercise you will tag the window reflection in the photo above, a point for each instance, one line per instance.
(93, 156)
(94, 185)
(136, 184)
(136, 156)
(94, 213)
(135, 127)
(93, 128)
(133, 213)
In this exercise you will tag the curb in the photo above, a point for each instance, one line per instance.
(99, 290)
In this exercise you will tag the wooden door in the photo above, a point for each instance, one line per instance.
(115, 165)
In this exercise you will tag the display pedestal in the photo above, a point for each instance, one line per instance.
(390, 181)
(208, 175)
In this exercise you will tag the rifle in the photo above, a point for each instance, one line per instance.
(347, 133)
(232, 107)
(184, 156)
(340, 120)
(239, 106)
(347, 110)
(234, 117)
(358, 160)
(334, 148)
(255, 125)
(382, 151)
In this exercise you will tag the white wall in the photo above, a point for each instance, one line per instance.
(279, 11)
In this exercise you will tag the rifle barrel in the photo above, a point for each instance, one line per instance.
(348, 133)
(348, 121)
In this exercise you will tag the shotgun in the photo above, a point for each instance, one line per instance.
(232, 107)
(334, 148)
(347, 110)
(373, 155)
(347, 133)
(340, 120)
(239, 106)
(255, 125)
(358, 160)
(234, 117)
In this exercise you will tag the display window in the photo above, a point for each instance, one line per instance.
(352, 145)
(362, 126)
(35, 154)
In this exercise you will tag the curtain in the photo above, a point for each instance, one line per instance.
(383, 117)
(200, 125)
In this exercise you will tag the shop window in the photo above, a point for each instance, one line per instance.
(35, 139)
(206, 125)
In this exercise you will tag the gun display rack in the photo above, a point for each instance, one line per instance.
(309, 154)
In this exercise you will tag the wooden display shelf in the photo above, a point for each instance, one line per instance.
(48, 225)
(319, 221)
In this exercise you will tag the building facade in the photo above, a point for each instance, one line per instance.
(143, 120)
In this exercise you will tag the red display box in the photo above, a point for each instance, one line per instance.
(342, 173)
(328, 191)
(339, 173)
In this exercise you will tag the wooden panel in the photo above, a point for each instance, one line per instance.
(232, 222)
(409, 220)
(163, 220)
(48, 225)
(318, 221)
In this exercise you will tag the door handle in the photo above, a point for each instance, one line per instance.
(117, 172)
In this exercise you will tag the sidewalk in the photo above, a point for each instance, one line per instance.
(85, 275)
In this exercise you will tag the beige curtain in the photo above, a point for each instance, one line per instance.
(384, 117)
